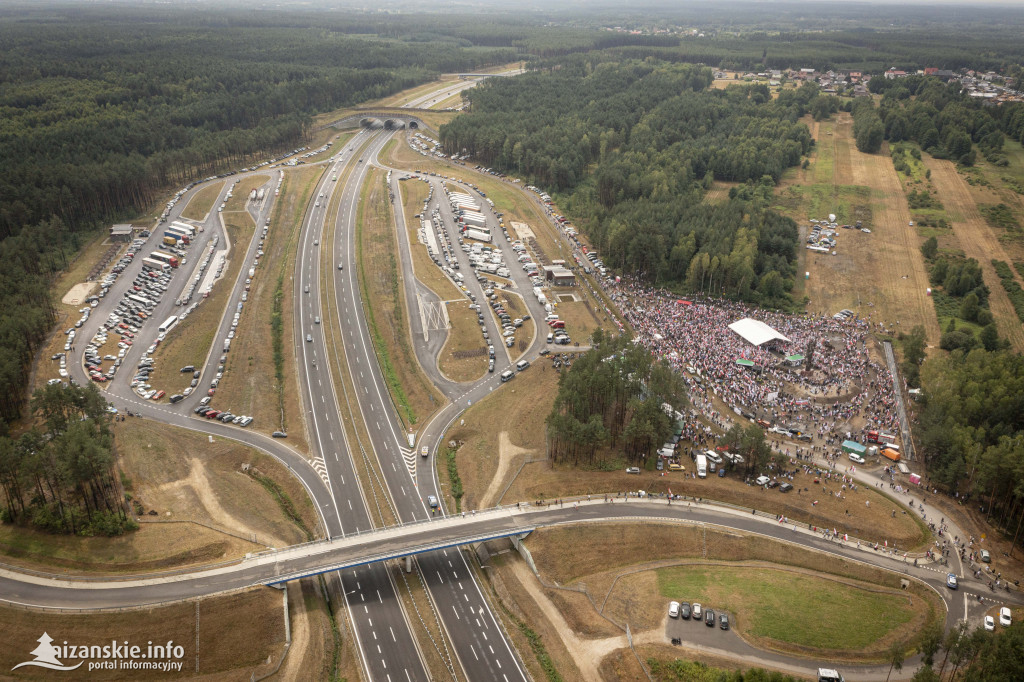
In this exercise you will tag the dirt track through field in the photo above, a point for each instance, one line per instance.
(978, 241)
(894, 262)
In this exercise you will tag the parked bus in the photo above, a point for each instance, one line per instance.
(169, 323)
(140, 300)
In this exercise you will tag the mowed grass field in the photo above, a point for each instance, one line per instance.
(190, 341)
(385, 307)
(239, 635)
(634, 569)
(250, 382)
(881, 274)
(778, 608)
(202, 201)
(464, 355)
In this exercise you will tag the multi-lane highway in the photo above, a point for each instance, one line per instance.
(389, 650)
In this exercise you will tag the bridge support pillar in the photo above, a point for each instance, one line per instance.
(517, 542)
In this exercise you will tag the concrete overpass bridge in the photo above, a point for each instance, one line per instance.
(277, 566)
(388, 119)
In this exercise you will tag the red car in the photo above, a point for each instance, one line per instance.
(158, 395)
(211, 414)
(211, 391)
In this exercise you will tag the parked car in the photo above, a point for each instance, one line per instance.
(990, 623)
(673, 609)
(684, 610)
(709, 618)
(696, 611)
(632, 470)
(1005, 617)
(723, 621)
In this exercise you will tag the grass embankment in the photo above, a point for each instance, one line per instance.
(464, 355)
(773, 607)
(182, 477)
(260, 384)
(190, 341)
(498, 433)
(229, 647)
(414, 193)
(385, 307)
(202, 201)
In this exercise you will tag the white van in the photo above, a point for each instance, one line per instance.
(521, 365)
(507, 375)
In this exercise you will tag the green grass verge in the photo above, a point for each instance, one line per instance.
(282, 499)
(698, 671)
(453, 478)
(795, 608)
(537, 647)
(390, 375)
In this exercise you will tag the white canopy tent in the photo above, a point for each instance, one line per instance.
(755, 331)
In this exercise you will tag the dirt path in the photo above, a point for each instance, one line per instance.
(587, 653)
(294, 667)
(506, 453)
(78, 293)
(842, 171)
(199, 482)
(893, 263)
(978, 241)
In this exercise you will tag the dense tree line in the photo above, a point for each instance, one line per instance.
(102, 110)
(59, 476)
(944, 121)
(971, 429)
(610, 402)
(632, 146)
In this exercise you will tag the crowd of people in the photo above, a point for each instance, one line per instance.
(836, 381)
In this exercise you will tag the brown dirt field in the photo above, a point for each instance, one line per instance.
(181, 475)
(882, 274)
(581, 319)
(202, 201)
(387, 314)
(250, 368)
(979, 241)
(230, 648)
(539, 480)
(595, 554)
(154, 547)
(463, 335)
(516, 413)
